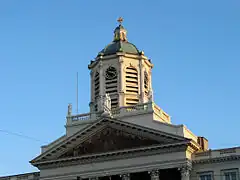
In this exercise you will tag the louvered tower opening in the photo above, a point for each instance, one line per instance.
(111, 86)
(96, 89)
(131, 86)
(146, 83)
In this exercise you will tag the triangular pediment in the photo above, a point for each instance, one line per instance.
(110, 139)
(107, 135)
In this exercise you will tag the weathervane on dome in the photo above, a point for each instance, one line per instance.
(120, 20)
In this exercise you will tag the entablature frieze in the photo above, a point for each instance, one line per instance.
(119, 54)
(152, 168)
(124, 154)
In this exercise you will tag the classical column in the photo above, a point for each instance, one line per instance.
(185, 172)
(154, 174)
(125, 176)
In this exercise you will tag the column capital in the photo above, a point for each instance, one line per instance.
(125, 176)
(185, 170)
(154, 174)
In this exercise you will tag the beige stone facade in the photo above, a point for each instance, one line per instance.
(126, 135)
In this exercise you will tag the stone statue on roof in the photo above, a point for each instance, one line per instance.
(105, 104)
(69, 109)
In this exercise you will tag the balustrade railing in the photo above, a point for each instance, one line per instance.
(81, 117)
(137, 107)
(115, 111)
(217, 153)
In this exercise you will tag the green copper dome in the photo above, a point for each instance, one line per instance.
(120, 43)
(119, 46)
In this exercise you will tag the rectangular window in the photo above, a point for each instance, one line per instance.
(205, 175)
(230, 174)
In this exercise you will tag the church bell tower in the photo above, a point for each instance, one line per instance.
(121, 72)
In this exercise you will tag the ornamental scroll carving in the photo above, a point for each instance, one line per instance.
(185, 170)
(110, 139)
(154, 174)
(125, 176)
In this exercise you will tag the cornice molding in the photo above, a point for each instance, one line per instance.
(80, 136)
(124, 154)
(124, 169)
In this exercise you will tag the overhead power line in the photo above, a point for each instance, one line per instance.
(20, 135)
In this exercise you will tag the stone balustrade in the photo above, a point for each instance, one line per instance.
(81, 117)
(217, 153)
(138, 107)
(126, 110)
(27, 176)
(148, 107)
(115, 111)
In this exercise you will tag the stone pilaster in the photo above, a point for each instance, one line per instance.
(121, 82)
(185, 172)
(101, 78)
(150, 78)
(125, 176)
(92, 86)
(154, 174)
(141, 84)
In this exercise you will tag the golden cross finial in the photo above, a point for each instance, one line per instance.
(120, 20)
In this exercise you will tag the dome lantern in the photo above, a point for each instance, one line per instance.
(120, 33)
(120, 42)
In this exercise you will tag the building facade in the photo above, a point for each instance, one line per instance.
(126, 135)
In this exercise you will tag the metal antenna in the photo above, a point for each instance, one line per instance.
(77, 92)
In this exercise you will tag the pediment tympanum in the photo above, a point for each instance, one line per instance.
(109, 137)
(107, 140)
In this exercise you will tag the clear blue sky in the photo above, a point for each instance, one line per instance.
(194, 46)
